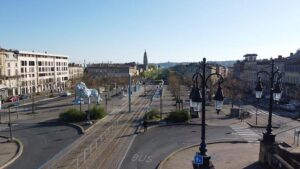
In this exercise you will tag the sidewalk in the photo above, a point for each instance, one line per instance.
(223, 156)
(8, 151)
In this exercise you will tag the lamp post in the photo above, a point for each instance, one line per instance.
(32, 97)
(198, 99)
(129, 93)
(275, 95)
(258, 95)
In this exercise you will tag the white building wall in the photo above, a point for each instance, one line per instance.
(42, 72)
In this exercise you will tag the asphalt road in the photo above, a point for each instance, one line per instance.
(149, 148)
(41, 141)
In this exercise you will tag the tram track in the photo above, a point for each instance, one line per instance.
(78, 157)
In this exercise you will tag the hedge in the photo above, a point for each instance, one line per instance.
(178, 116)
(152, 115)
(72, 115)
(97, 112)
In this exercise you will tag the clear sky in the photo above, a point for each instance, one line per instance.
(170, 30)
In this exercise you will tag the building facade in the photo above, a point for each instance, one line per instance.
(247, 69)
(9, 73)
(75, 71)
(26, 72)
(112, 70)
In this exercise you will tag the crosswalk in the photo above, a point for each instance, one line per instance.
(245, 132)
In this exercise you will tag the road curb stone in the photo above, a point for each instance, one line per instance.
(17, 155)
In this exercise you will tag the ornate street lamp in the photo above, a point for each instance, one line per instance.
(197, 101)
(258, 95)
(275, 95)
(258, 89)
(219, 99)
(277, 92)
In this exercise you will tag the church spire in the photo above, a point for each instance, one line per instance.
(145, 60)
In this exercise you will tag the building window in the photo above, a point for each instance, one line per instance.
(8, 72)
(31, 63)
(40, 63)
(8, 64)
(22, 70)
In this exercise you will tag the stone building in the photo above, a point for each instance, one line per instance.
(112, 70)
(247, 69)
(24, 72)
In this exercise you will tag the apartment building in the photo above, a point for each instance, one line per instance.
(42, 71)
(247, 69)
(112, 70)
(24, 72)
(75, 71)
(9, 77)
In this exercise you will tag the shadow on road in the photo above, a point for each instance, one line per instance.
(256, 165)
(47, 123)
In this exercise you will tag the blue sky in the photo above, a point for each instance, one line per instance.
(170, 30)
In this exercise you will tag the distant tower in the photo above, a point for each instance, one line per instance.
(145, 60)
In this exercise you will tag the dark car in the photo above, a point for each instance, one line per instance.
(23, 97)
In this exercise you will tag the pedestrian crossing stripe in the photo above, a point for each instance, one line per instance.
(246, 133)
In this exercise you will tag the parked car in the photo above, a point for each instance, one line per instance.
(288, 107)
(65, 94)
(295, 103)
(23, 97)
(13, 99)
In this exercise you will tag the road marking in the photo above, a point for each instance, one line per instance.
(246, 133)
(141, 158)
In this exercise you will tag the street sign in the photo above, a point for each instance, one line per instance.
(198, 159)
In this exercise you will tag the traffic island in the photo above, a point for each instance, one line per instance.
(223, 155)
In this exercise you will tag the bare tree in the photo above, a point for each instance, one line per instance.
(233, 88)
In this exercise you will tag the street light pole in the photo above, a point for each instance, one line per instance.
(203, 149)
(106, 103)
(275, 95)
(161, 106)
(256, 111)
(9, 124)
(129, 93)
(202, 160)
(32, 105)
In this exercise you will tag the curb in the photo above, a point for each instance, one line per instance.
(90, 128)
(79, 128)
(174, 124)
(259, 126)
(17, 155)
(161, 164)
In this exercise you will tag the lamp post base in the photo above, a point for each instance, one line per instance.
(268, 138)
(207, 164)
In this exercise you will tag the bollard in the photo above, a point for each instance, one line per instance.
(77, 163)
